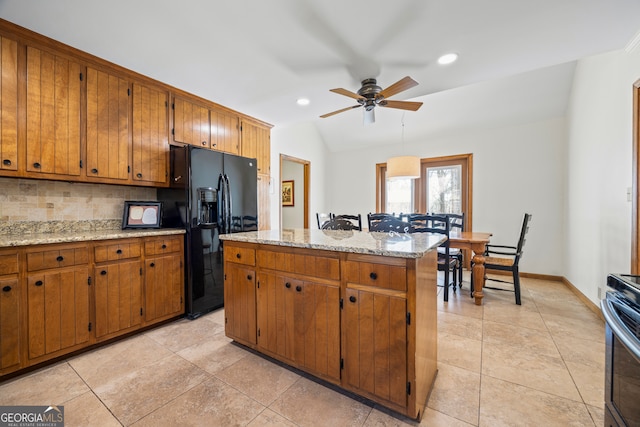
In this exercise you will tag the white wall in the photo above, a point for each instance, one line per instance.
(293, 216)
(303, 142)
(600, 127)
(516, 169)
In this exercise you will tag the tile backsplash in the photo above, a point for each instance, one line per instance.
(40, 200)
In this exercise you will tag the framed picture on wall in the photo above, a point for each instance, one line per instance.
(142, 215)
(287, 193)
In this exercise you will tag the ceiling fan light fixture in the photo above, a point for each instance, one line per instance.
(448, 58)
(403, 167)
(368, 116)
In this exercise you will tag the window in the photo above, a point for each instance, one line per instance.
(443, 187)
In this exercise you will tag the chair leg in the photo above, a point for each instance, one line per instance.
(455, 278)
(516, 285)
(471, 283)
(446, 284)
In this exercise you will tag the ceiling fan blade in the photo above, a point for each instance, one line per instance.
(324, 116)
(403, 105)
(397, 87)
(347, 93)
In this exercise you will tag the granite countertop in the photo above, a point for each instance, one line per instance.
(8, 240)
(360, 242)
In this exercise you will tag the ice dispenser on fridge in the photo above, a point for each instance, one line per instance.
(207, 206)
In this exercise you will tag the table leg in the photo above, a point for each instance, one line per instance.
(478, 276)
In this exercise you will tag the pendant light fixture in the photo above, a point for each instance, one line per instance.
(403, 167)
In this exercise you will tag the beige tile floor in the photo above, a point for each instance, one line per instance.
(539, 364)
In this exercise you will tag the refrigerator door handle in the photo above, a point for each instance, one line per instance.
(222, 210)
(229, 212)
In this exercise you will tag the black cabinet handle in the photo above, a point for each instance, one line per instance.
(352, 298)
(153, 264)
(373, 276)
(36, 165)
(287, 285)
(139, 175)
(249, 277)
(39, 283)
(298, 288)
(94, 170)
(164, 246)
(60, 258)
(6, 289)
(204, 142)
(213, 145)
(119, 251)
(103, 273)
(238, 256)
(6, 162)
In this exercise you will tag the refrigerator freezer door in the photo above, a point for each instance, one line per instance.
(242, 174)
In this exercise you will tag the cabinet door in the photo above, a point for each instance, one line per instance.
(9, 324)
(275, 312)
(225, 135)
(240, 303)
(256, 143)
(118, 296)
(8, 104)
(163, 286)
(107, 126)
(150, 135)
(191, 123)
(58, 310)
(375, 353)
(53, 114)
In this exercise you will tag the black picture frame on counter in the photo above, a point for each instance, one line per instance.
(141, 214)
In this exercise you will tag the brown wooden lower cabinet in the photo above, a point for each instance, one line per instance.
(61, 298)
(364, 322)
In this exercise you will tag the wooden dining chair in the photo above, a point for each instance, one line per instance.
(438, 224)
(355, 219)
(506, 258)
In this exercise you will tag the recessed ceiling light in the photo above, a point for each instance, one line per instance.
(303, 101)
(447, 58)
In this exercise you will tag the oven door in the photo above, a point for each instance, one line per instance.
(622, 376)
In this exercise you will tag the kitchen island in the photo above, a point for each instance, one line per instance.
(356, 309)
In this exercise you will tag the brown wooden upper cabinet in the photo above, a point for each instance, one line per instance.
(225, 135)
(107, 126)
(256, 144)
(53, 114)
(8, 105)
(150, 143)
(191, 123)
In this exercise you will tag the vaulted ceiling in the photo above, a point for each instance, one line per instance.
(516, 58)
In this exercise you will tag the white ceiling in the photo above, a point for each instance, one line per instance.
(516, 58)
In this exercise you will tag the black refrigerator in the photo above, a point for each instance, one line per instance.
(210, 193)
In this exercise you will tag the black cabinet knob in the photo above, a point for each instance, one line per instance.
(119, 251)
(287, 285)
(373, 276)
(6, 162)
(238, 256)
(60, 258)
(103, 273)
(94, 170)
(204, 142)
(352, 298)
(139, 175)
(39, 283)
(249, 277)
(36, 165)
(298, 288)
(153, 264)
(6, 289)
(164, 246)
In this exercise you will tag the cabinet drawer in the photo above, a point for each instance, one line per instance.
(117, 251)
(57, 258)
(9, 263)
(162, 246)
(240, 255)
(323, 267)
(387, 276)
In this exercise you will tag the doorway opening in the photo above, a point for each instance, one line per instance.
(294, 192)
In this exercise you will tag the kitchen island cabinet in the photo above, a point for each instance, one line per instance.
(10, 312)
(355, 309)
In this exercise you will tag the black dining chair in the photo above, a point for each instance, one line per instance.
(355, 219)
(506, 258)
(387, 223)
(438, 224)
(456, 222)
(373, 218)
(322, 218)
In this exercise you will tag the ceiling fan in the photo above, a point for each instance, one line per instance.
(371, 95)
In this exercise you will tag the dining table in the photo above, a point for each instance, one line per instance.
(476, 242)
